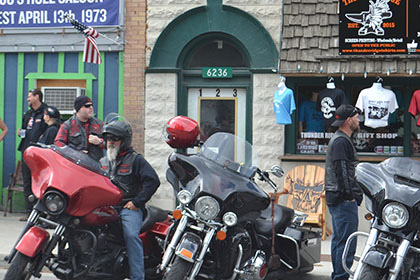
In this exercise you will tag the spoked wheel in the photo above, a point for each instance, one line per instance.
(19, 268)
(178, 270)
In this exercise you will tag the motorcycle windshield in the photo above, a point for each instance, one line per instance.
(230, 152)
(396, 179)
(79, 158)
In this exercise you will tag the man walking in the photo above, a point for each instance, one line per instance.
(138, 181)
(33, 126)
(343, 193)
(82, 130)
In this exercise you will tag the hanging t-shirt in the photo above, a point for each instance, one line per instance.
(309, 115)
(377, 103)
(284, 105)
(414, 108)
(328, 102)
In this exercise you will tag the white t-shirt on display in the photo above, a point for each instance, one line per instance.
(377, 103)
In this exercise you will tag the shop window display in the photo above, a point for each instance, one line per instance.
(381, 127)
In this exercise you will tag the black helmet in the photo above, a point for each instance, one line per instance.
(52, 112)
(118, 126)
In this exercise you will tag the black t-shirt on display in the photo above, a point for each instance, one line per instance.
(328, 101)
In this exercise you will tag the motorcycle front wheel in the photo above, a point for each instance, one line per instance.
(179, 270)
(369, 272)
(17, 269)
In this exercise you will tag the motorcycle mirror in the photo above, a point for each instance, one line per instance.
(277, 171)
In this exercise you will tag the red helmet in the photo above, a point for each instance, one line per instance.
(181, 132)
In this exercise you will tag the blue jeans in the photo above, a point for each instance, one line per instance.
(131, 223)
(344, 221)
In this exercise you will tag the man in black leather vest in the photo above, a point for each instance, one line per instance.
(342, 192)
(81, 132)
(137, 180)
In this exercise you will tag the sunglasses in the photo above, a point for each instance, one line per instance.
(112, 138)
(88, 105)
(354, 112)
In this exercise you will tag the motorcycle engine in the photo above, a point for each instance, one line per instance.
(255, 268)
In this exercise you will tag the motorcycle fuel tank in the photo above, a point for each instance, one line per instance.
(100, 216)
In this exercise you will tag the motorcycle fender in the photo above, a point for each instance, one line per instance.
(378, 257)
(188, 246)
(33, 241)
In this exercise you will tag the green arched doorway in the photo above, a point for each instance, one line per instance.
(215, 36)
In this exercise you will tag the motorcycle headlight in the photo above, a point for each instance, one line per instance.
(395, 215)
(54, 202)
(230, 219)
(207, 207)
(184, 197)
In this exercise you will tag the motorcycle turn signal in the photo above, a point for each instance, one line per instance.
(221, 235)
(177, 214)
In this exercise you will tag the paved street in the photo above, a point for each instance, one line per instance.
(10, 228)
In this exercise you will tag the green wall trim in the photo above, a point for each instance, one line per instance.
(232, 22)
(121, 84)
(61, 76)
(101, 87)
(2, 70)
(60, 67)
(40, 66)
(81, 65)
(19, 98)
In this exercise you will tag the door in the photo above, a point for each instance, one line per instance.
(218, 110)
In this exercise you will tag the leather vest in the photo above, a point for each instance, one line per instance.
(330, 178)
(77, 138)
(122, 174)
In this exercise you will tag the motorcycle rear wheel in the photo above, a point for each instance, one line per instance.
(179, 270)
(17, 269)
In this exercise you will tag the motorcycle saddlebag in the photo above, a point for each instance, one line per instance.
(299, 248)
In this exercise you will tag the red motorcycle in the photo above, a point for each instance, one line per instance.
(75, 199)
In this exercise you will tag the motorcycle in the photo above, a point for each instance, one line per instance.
(392, 250)
(225, 226)
(75, 199)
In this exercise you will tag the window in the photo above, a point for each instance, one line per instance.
(398, 135)
(62, 97)
(217, 53)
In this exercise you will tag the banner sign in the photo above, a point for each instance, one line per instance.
(49, 13)
(379, 27)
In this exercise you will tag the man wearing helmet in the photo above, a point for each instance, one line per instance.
(81, 131)
(138, 181)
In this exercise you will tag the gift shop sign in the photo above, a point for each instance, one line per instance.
(49, 13)
(379, 27)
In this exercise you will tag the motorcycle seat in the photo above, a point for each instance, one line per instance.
(151, 216)
(282, 218)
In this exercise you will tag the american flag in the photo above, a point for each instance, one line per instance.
(90, 52)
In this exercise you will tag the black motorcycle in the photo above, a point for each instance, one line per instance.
(392, 250)
(226, 227)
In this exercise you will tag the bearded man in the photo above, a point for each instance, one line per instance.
(137, 180)
(342, 192)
